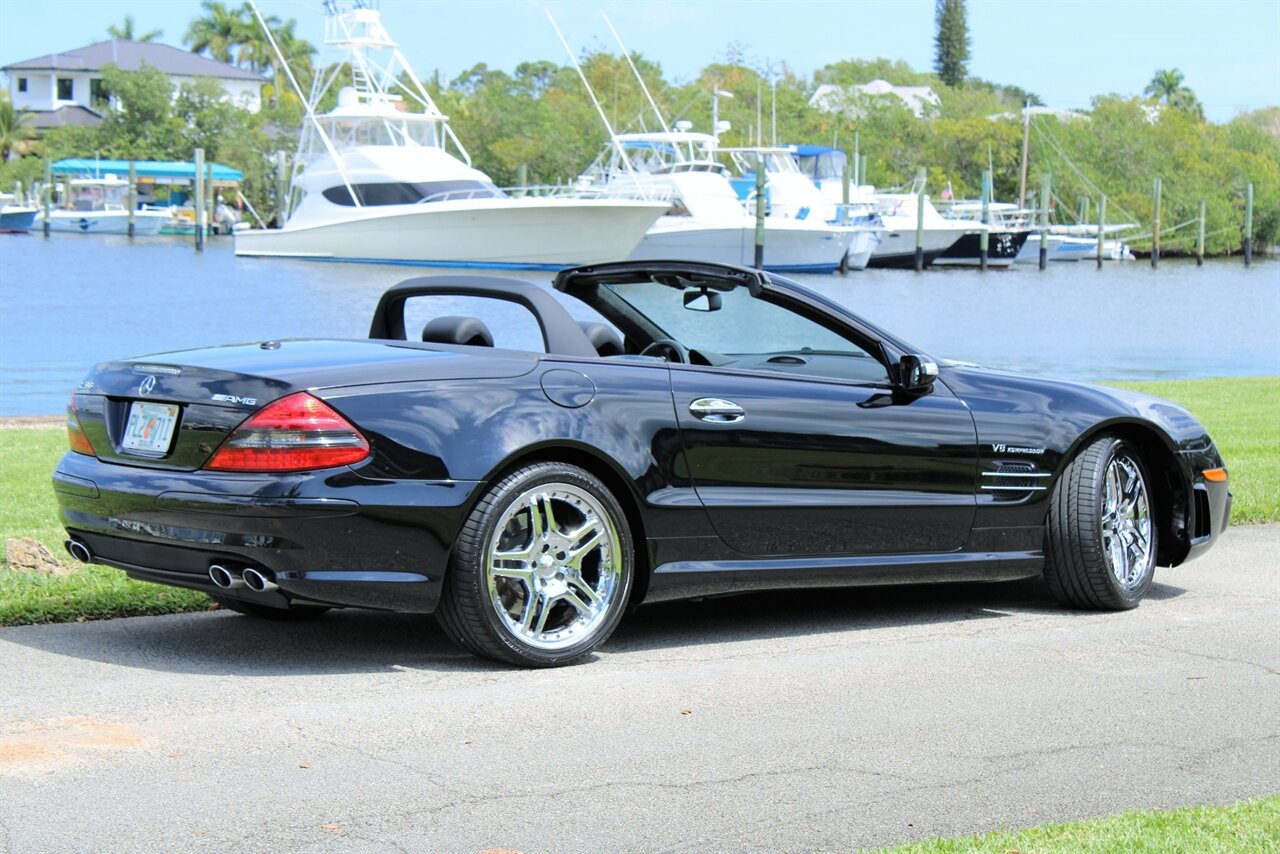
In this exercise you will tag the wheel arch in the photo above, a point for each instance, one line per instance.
(1168, 481)
(617, 481)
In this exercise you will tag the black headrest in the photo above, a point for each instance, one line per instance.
(458, 330)
(604, 339)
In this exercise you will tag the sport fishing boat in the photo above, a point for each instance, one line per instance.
(705, 219)
(101, 206)
(790, 194)
(382, 177)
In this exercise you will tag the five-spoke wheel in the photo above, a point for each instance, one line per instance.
(1101, 537)
(542, 570)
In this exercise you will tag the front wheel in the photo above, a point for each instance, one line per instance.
(1101, 529)
(541, 570)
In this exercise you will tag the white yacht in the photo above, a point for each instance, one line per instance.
(382, 177)
(898, 245)
(101, 206)
(705, 219)
(791, 195)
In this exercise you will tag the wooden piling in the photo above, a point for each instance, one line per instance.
(1155, 224)
(862, 171)
(1102, 227)
(857, 160)
(211, 199)
(984, 239)
(133, 196)
(1083, 214)
(920, 180)
(197, 202)
(759, 213)
(47, 193)
(1200, 238)
(1046, 194)
(1248, 224)
(846, 178)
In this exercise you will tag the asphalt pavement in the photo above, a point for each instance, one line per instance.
(772, 722)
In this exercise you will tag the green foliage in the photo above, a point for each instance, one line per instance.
(16, 132)
(951, 44)
(1127, 143)
(1167, 86)
(125, 32)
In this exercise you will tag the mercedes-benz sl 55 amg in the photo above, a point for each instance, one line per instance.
(707, 430)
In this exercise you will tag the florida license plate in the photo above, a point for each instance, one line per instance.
(150, 427)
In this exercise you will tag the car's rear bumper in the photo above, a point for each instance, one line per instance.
(330, 537)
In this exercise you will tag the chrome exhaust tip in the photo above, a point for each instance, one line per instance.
(224, 578)
(258, 582)
(79, 550)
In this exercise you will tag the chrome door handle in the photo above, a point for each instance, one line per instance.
(717, 411)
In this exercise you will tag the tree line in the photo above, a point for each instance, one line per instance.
(538, 123)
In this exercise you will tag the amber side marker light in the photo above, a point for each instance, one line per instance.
(1216, 475)
(76, 439)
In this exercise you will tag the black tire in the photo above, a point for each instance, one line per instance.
(293, 613)
(553, 598)
(1101, 538)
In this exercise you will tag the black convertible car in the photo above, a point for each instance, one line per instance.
(712, 430)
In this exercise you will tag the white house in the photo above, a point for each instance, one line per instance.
(830, 98)
(67, 87)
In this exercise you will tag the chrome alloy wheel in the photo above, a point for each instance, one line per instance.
(1126, 522)
(553, 566)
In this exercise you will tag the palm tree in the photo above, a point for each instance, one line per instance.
(125, 33)
(15, 130)
(1164, 84)
(1167, 86)
(219, 32)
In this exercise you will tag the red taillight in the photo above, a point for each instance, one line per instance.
(76, 438)
(294, 433)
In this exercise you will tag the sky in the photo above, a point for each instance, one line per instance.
(1064, 51)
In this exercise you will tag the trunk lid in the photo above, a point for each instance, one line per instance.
(173, 410)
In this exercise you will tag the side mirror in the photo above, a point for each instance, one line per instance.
(702, 301)
(916, 374)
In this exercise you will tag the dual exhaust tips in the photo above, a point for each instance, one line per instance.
(229, 579)
(259, 581)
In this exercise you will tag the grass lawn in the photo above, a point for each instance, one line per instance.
(1251, 826)
(1243, 417)
(27, 458)
(1242, 414)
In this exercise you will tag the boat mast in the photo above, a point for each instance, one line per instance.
(613, 137)
(328, 144)
(636, 72)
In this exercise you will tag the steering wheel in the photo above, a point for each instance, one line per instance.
(669, 349)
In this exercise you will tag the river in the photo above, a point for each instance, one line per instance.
(72, 300)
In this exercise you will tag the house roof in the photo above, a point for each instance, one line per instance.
(832, 98)
(63, 116)
(130, 56)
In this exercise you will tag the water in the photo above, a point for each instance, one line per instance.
(71, 301)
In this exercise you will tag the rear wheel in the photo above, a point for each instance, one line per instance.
(266, 612)
(1101, 529)
(541, 570)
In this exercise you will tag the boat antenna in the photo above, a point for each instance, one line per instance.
(626, 161)
(328, 144)
(636, 72)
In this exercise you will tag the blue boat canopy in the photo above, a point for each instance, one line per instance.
(151, 171)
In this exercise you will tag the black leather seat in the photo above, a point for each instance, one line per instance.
(604, 339)
(452, 329)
